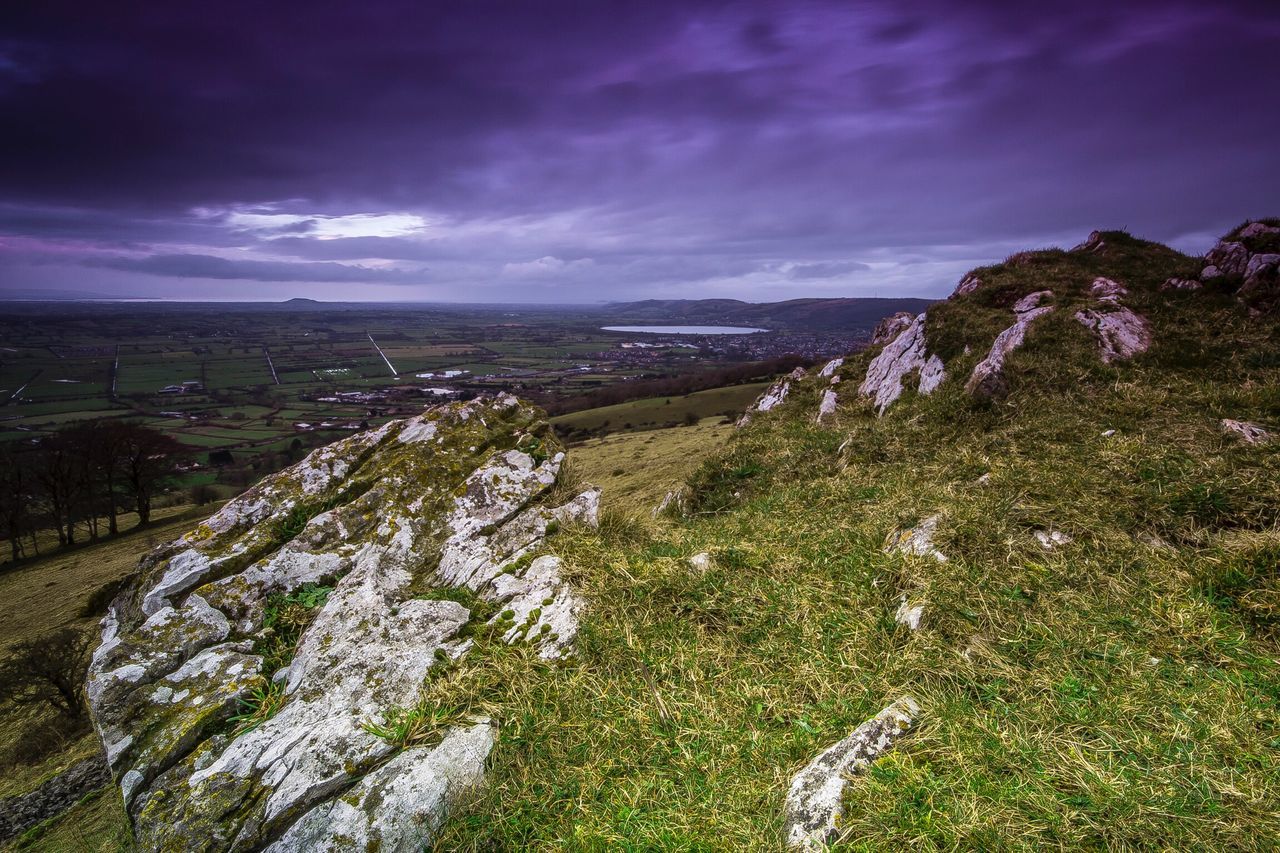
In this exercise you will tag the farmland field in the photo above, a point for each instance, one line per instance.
(249, 388)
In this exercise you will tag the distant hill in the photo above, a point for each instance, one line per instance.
(817, 315)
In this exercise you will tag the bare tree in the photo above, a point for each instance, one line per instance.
(148, 460)
(49, 671)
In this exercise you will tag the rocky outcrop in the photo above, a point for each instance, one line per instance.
(773, 397)
(828, 370)
(1121, 333)
(1093, 243)
(1249, 433)
(53, 797)
(387, 521)
(988, 378)
(813, 804)
(903, 356)
(1177, 284)
(967, 285)
(890, 327)
(1248, 261)
(1227, 258)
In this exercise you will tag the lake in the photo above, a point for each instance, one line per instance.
(686, 330)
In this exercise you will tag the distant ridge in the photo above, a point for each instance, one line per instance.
(791, 315)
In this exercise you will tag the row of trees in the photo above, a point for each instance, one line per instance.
(81, 477)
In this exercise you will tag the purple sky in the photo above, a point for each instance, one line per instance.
(578, 152)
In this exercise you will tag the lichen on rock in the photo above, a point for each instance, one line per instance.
(813, 803)
(450, 498)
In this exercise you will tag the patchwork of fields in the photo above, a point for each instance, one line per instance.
(257, 385)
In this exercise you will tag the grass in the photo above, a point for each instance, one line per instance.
(636, 470)
(659, 412)
(1117, 692)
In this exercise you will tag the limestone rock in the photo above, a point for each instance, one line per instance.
(1249, 433)
(988, 378)
(1257, 229)
(1227, 258)
(773, 396)
(1177, 284)
(1051, 540)
(400, 805)
(827, 406)
(967, 285)
(909, 615)
(905, 355)
(1121, 333)
(813, 804)
(700, 563)
(917, 541)
(451, 498)
(829, 369)
(890, 327)
(1093, 243)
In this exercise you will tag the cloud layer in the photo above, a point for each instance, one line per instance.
(580, 152)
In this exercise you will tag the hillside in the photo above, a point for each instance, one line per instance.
(1114, 686)
(814, 315)
(1004, 580)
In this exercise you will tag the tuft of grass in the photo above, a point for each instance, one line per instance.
(261, 705)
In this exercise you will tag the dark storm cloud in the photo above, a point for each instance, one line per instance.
(209, 266)
(608, 150)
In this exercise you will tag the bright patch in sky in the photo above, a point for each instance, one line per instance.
(272, 225)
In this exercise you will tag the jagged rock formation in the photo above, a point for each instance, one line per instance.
(1248, 260)
(988, 377)
(890, 327)
(448, 499)
(1121, 333)
(1249, 433)
(828, 370)
(773, 396)
(813, 804)
(906, 354)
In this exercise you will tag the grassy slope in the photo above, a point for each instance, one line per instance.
(636, 470)
(656, 412)
(1112, 693)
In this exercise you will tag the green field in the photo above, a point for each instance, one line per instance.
(658, 412)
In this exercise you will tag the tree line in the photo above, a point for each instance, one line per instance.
(80, 479)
